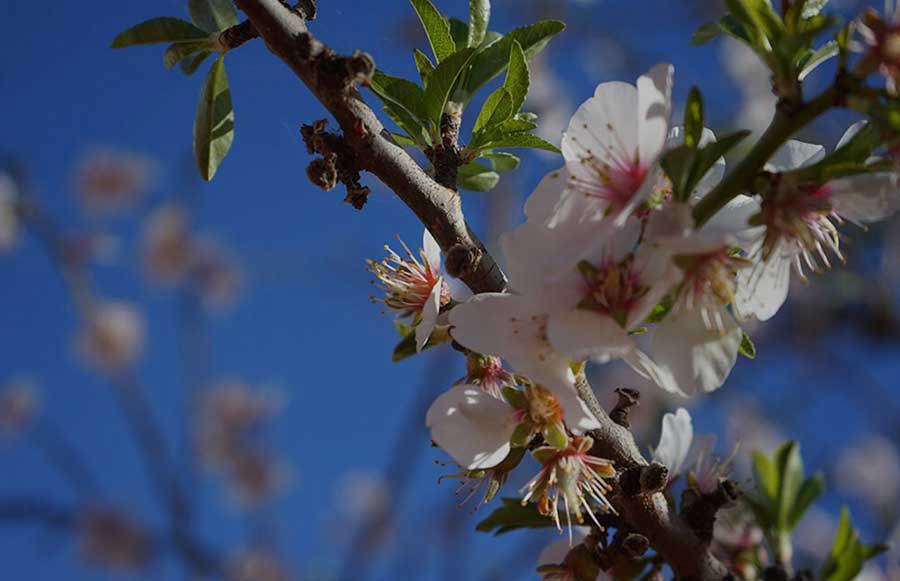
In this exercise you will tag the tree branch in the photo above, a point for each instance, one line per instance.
(327, 76)
(330, 77)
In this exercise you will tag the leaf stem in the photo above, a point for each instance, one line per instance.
(783, 126)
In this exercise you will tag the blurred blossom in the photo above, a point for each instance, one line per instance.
(18, 405)
(603, 57)
(256, 565)
(230, 419)
(738, 541)
(112, 337)
(753, 79)
(748, 428)
(870, 470)
(361, 495)
(109, 180)
(9, 214)
(109, 538)
(166, 245)
(708, 468)
(548, 98)
(215, 274)
(815, 532)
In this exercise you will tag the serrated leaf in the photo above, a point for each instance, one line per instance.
(502, 161)
(497, 108)
(178, 51)
(493, 58)
(693, 119)
(213, 15)
(476, 177)
(747, 348)
(521, 140)
(511, 516)
(423, 65)
(159, 30)
(479, 17)
(214, 123)
(441, 82)
(517, 76)
(190, 65)
(399, 91)
(437, 29)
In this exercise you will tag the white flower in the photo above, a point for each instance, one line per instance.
(412, 287)
(614, 140)
(166, 245)
(113, 336)
(110, 180)
(674, 441)
(472, 426)
(801, 225)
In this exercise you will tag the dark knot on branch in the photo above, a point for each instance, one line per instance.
(628, 398)
(699, 509)
(337, 164)
(646, 479)
(462, 260)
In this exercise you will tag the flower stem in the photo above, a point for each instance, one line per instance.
(783, 126)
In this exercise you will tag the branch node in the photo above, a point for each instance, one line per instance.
(628, 398)
(462, 260)
(644, 479)
(699, 509)
(337, 164)
(635, 545)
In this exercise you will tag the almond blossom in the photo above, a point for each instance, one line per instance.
(674, 441)
(413, 287)
(112, 337)
(801, 221)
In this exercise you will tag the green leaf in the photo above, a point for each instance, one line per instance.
(497, 108)
(705, 33)
(214, 123)
(747, 348)
(790, 468)
(159, 30)
(178, 51)
(213, 15)
(512, 515)
(423, 65)
(693, 119)
(502, 161)
(811, 490)
(479, 17)
(686, 167)
(406, 348)
(661, 310)
(399, 91)
(403, 140)
(847, 555)
(190, 65)
(520, 140)
(493, 58)
(441, 82)
(459, 31)
(765, 475)
(517, 76)
(814, 58)
(476, 177)
(813, 8)
(405, 120)
(436, 29)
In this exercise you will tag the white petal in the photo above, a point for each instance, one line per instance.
(698, 347)
(762, 289)
(555, 553)
(430, 311)
(794, 154)
(641, 363)
(578, 416)
(654, 111)
(472, 426)
(604, 128)
(734, 220)
(432, 251)
(583, 334)
(674, 441)
(512, 328)
(542, 202)
(850, 133)
(867, 197)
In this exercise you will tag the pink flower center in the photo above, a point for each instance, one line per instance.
(407, 283)
(804, 219)
(612, 289)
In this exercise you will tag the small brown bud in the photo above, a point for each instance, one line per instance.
(357, 196)
(654, 478)
(628, 398)
(636, 545)
(360, 66)
(323, 173)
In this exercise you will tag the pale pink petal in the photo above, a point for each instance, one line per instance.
(867, 197)
(432, 251)
(430, 311)
(698, 347)
(472, 426)
(542, 202)
(641, 363)
(582, 334)
(762, 289)
(734, 219)
(794, 154)
(654, 111)
(674, 441)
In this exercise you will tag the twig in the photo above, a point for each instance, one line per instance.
(65, 460)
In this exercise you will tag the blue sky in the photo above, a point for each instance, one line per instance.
(304, 324)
